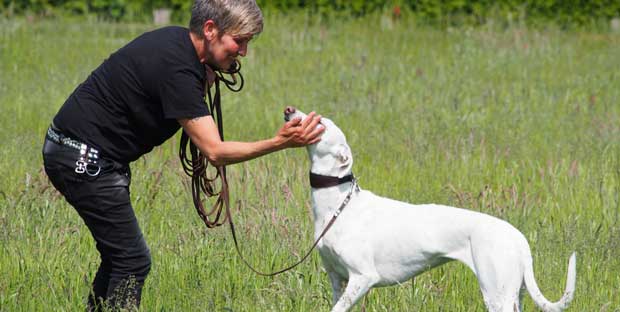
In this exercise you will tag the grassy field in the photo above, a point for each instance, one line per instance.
(519, 123)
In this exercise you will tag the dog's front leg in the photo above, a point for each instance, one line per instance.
(337, 282)
(357, 287)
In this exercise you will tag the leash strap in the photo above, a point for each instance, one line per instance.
(331, 222)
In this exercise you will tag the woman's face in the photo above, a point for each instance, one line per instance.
(223, 50)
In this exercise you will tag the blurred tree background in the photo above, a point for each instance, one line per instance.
(440, 12)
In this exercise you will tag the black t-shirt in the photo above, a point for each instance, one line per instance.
(130, 103)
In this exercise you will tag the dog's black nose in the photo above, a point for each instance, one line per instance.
(288, 111)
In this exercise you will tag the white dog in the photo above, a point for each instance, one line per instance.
(377, 241)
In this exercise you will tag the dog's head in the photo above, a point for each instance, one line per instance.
(331, 156)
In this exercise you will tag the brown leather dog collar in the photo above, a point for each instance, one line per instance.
(322, 181)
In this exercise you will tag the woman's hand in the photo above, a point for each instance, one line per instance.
(298, 132)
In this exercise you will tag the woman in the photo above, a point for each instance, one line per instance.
(137, 99)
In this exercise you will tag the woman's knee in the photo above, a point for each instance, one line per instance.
(136, 263)
(140, 264)
(144, 266)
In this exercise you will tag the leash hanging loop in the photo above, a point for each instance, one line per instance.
(195, 164)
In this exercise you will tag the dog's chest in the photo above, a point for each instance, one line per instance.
(332, 261)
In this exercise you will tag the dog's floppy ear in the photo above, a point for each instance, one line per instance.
(344, 155)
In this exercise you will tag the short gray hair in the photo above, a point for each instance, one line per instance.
(233, 17)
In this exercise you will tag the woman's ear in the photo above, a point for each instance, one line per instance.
(209, 30)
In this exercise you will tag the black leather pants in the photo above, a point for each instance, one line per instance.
(103, 203)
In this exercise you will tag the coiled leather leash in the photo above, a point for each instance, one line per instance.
(195, 165)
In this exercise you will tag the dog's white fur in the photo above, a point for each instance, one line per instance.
(378, 241)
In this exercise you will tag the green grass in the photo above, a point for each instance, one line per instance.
(519, 123)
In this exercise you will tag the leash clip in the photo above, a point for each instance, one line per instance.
(80, 166)
(87, 162)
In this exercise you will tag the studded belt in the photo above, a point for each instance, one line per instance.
(88, 159)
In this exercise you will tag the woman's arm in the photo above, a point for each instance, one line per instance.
(204, 134)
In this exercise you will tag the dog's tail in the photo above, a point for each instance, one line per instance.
(537, 296)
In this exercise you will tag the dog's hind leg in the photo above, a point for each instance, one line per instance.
(500, 278)
(357, 287)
